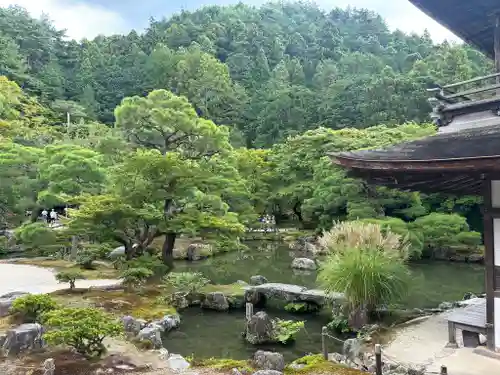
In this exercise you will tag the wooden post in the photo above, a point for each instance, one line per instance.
(378, 359)
(497, 44)
(324, 347)
(49, 367)
(444, 370)
(249, 311)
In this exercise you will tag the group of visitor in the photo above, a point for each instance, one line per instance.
(50, 217)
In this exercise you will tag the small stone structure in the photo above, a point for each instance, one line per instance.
(269, 360)
(258, 294)
(150, 332)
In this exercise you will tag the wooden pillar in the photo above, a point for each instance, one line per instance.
(489, 262)
(497, 43)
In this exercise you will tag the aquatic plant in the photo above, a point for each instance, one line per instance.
(286, 330)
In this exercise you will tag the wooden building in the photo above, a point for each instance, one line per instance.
(464, 157)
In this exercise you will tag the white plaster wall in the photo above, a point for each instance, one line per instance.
(495, 193)
(496, 323)
(496, 241)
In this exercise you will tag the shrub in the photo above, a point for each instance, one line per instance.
(135, 277)
(414, 240)
(69, 277)
(345, 236)
(86, 258)
(185, 282)
(32, 307)
(83, 329)
(148, 261)
(367, 276)
(440, 230)
(39, 238)
(469, 239)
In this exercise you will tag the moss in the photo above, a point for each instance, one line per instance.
(315, 364)
(225, 364)
(101, 271)
(235, 290)
(145, 306)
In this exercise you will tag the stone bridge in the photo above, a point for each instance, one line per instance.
(260, 294)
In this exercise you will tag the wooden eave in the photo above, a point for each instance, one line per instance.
(473, 21)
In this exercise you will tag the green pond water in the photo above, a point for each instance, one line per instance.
(207, 334)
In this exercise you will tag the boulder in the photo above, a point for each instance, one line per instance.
(177, 363)
(215, 301)
(269, 360)
(475, 258)
(259, 329)
(198, 251)
(6, 302)
(304, 264)
(258, 280)
(132, 325)
(24, 338)
(445, 306)
(267, 372)
(117, 252)
(167, 323)
(151, 334)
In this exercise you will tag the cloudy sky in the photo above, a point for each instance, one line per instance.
(88, 18)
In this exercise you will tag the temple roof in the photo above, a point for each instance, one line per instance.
(448, 162)
(473, 21)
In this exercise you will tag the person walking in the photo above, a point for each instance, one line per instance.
(45, 216)
(53, 216)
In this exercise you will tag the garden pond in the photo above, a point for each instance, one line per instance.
(205, 333)
(213, 334)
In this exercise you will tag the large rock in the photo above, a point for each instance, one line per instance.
(151, 334)
(292, 293)
(267, 372)
(304, 264)
(177, 363)
(132, 325)
(197, 251)
(269, 360)
(6, 302)
(167, 323)
(306, 246)
(259, 329)
(215, 301)
(24, 338)
(258, 280)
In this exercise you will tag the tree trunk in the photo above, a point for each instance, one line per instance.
(167, 251)
(298, 212)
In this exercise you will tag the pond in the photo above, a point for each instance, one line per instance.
(212, 334)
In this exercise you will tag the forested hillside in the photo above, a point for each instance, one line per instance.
(260, 96)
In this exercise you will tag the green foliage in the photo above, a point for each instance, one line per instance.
(367, 276)
(185, 282)
(287, 330)
(444, 231)
(224, 364)
(86, 258)
(135, 277)
(83, 329)
(38, 237)
(32, 307)
(302, 307)
(69, 277)
(339, 324)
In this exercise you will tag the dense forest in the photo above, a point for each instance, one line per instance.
(211, 118)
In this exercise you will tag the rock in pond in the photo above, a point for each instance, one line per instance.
(215, 301)
(304, 264)
(259, 329)
(6, 302)
(198, 251)
(258, 280)
(269, 360)
(24, 338)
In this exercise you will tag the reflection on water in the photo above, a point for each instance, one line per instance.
(432, 283)
(212, 334)
(206, 334)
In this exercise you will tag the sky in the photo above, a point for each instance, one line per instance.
(89, 18)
